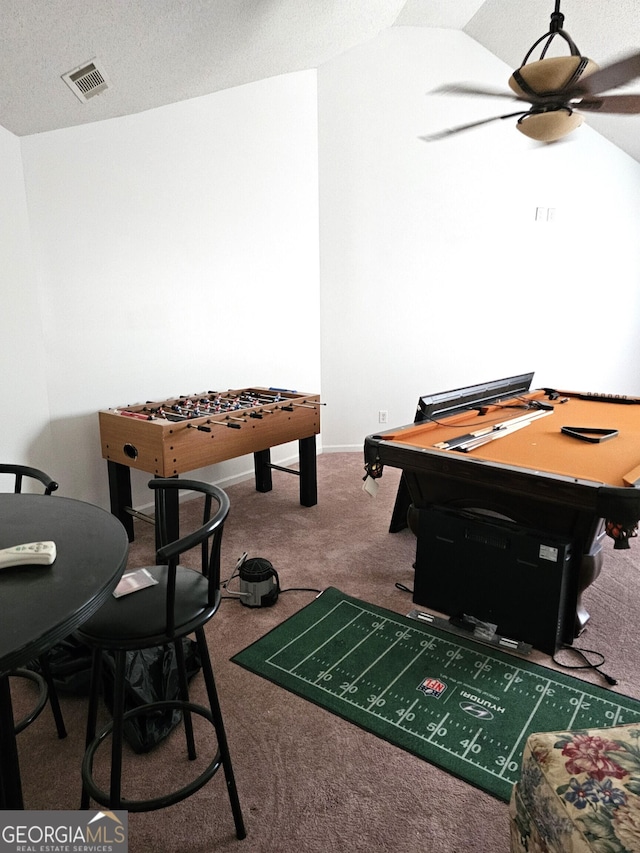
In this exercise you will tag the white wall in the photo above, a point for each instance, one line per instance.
(434, 272)
(176, 251)
(24, 423)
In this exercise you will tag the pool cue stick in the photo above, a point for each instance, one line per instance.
(504, 429)
(489, 431)
(499, 433)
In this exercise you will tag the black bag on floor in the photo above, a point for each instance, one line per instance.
(70, 665)
(151, 676)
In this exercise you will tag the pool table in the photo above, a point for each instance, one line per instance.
(546, 459)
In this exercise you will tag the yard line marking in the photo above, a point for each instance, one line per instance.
(398, 676)
(372, 664)
(402, 717)
(437, 727)
(577, 708)
(310, 628)
(523, 731)
(471, 743)
(511, 680)
(480, 670)
(333, 636)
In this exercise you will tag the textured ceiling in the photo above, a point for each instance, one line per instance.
(156, 52)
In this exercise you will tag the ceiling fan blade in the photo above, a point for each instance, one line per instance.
(443, 134)
(465, 89)
(609, 77)
(622, 104)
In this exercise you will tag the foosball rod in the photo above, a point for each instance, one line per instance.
(206, 427)
(307, 405)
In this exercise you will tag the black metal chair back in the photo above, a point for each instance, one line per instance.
(208, 536)
(18, 472)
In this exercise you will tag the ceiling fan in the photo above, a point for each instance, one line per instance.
(557, 89)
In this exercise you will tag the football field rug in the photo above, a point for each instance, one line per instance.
(463, 706)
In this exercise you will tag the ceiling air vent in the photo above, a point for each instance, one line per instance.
(86, 80)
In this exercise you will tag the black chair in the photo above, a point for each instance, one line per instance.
(44, 681)
(181, 603)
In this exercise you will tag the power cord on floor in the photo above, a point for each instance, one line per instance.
(300, 589)
(403, 588)
(582, 653)
(289, 589)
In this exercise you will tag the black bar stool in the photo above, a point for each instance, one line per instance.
(180, 603)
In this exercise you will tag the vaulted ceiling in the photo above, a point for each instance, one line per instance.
(156, 52)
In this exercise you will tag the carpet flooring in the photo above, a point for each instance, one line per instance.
(308, 780)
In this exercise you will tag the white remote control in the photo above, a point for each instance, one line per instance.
(31, 553)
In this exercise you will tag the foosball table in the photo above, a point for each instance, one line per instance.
(178, 435)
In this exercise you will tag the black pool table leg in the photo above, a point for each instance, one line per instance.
(590, 567)
(401, 507)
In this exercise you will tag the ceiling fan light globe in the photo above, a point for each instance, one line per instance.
(549, 126)
(551, 75)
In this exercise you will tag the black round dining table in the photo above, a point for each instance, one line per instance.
(41, 605)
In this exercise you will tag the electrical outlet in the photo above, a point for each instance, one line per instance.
(382, 416)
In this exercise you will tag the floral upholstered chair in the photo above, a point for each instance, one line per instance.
(578, 792)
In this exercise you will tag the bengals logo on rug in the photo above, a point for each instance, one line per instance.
(432, 687)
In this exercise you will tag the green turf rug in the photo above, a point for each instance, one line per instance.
(465, 707)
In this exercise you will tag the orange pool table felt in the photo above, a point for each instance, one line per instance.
(541, 445)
